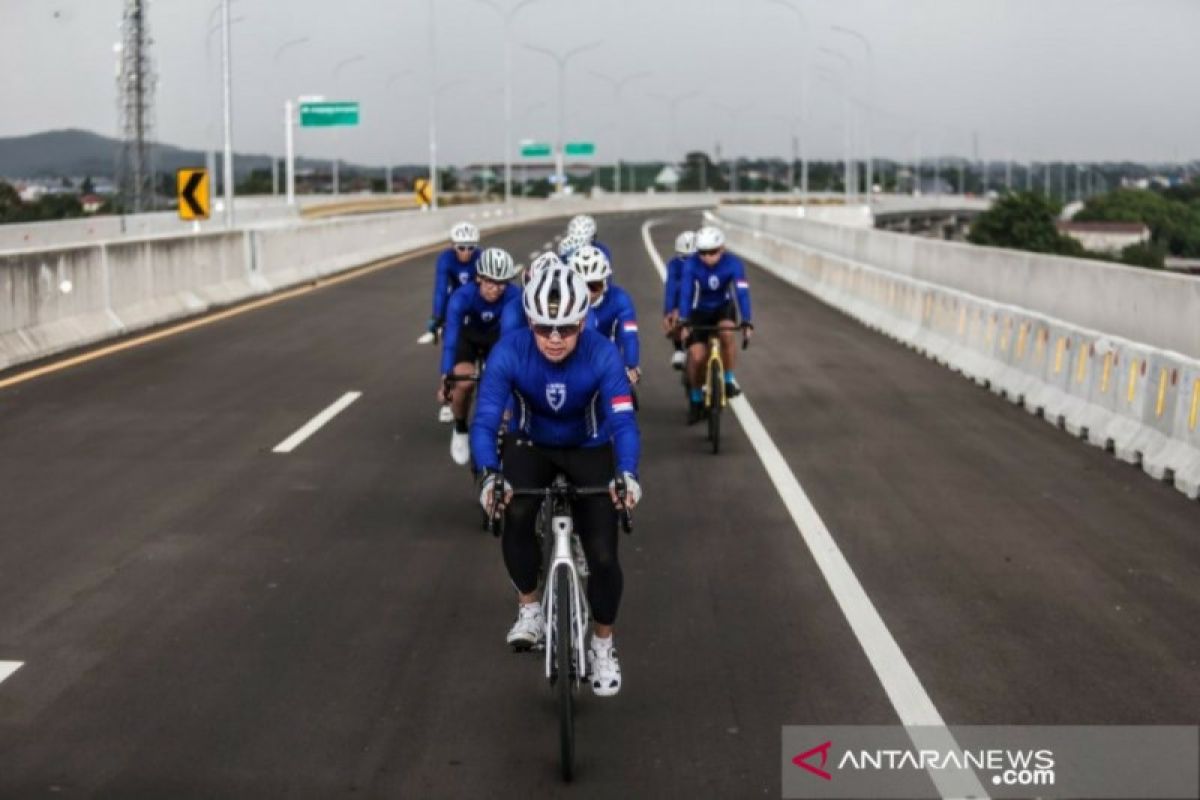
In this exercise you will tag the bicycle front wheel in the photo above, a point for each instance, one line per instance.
(715, 393)
(564, 643)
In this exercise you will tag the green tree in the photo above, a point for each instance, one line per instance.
(10, 202)
(1023, 221)
(1144, 254)
(1173, 216)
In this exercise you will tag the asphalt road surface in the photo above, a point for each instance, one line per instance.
(199, 616)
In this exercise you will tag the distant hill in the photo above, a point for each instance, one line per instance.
(77, 153)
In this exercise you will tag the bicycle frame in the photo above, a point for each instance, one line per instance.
(714, 357)
(563, 558)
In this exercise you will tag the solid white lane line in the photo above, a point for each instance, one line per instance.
(313, 425)
(900, 682)
(7, 668)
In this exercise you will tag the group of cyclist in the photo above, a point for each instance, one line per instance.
(556, 363)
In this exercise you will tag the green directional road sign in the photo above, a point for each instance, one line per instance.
(581, 148)
(325, 115)
(535, 150)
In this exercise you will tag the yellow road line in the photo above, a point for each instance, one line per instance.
(209, 319)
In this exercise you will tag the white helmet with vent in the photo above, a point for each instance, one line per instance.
(709, 238)
(496, 264)
(569, 244)
(685, 243)
(464, 233)
(557, 296)
(542, 263)
(582, 225)
(590, 263)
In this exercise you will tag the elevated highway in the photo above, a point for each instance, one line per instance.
(195, 615)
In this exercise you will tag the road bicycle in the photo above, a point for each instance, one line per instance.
(715, 398)
(564, 598)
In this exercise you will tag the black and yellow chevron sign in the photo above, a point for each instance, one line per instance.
(191, 190)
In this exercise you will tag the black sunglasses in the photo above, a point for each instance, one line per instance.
(464, 248)
(565, 331)
(596, 286)
(713, 252)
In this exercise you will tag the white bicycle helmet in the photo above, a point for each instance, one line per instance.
(685, 243)
(590, 263)
(540, 264)
(464, 233)
(569, 244)
(583, 226)
(558, 296)
(496, 264)
(709, 238)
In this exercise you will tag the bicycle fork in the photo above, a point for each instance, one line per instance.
(563, 558)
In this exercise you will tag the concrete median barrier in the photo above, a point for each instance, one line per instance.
(1111, 354)
(58, 298)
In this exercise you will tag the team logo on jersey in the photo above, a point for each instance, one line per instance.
(463, 277)
(714, 282)
(556, 395)
(487, 316)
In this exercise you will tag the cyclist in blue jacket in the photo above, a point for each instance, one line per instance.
(473, 318)
(713, 291)
(685, 245)
(574, 415)
(455, 268)
(612, 311)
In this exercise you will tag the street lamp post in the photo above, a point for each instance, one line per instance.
(214, 26)
(733, 113)
(619, 84)
(673, 102)
(804, 71)
(279, 51)
(337, 72)
(561, 60)
(227, 72)
(508, 16)
(870, 100)
(436, 93)
(391, 79)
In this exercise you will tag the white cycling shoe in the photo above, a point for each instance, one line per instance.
(445, 414)
(425, 338)
(460, 448)
(529, 631)
(604, 670)
(678, 359)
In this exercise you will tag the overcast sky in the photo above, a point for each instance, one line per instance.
(1037, 79)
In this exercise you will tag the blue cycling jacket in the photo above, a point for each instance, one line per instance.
(450, 275)
(671, 292)
(710, 288)
(615, 317)
(468, 309)
(513, 318)
(585, 401)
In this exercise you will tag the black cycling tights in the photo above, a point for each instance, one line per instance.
(529, 467)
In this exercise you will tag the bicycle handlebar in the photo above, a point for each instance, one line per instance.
(564, 491)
